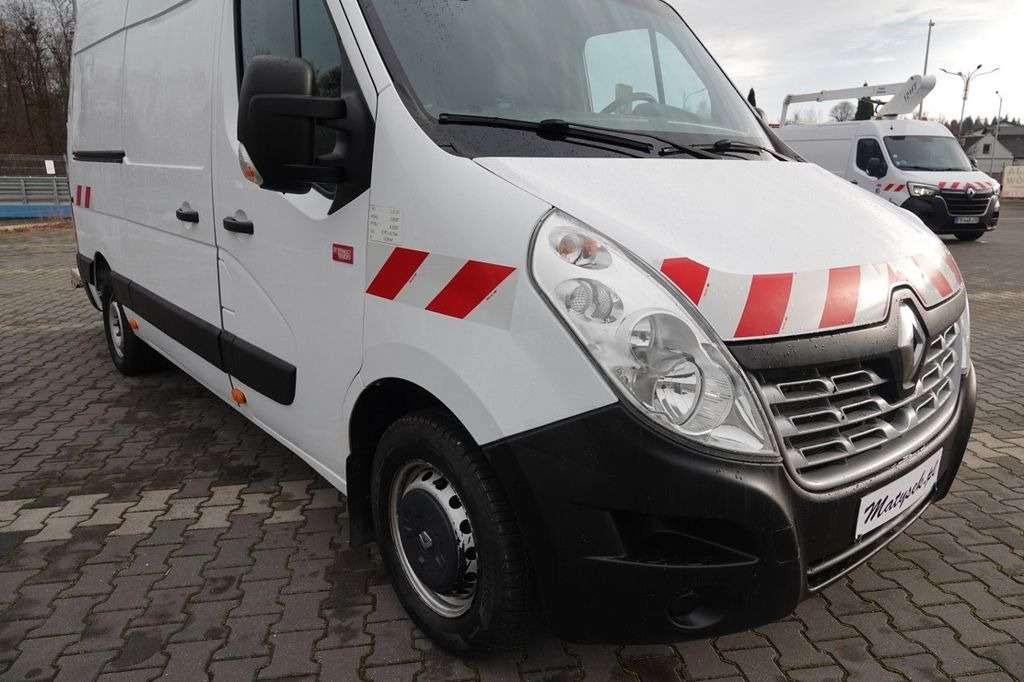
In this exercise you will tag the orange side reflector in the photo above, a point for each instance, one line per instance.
(134, 324)
(238, 396)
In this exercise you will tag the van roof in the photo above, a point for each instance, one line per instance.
(889, 126)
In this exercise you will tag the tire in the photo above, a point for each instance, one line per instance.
(481, 597)
(969, 236)
(130, 354)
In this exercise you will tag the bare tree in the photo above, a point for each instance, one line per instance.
(844, 111)
(35, 61)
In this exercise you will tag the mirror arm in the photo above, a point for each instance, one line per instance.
(299, 106)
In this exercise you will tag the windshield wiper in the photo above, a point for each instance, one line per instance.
(726, 145)
(552, 128)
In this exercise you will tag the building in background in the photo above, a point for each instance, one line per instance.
(992, 155)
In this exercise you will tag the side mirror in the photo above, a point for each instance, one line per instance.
(277, 120)
(762, 113)
(877, 167)
(974, 163)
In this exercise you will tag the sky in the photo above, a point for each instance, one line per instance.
(801, 46)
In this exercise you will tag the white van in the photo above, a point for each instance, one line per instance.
(918, 165)
(531, 283)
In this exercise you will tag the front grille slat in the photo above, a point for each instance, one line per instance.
(842, 424)
(960, 204)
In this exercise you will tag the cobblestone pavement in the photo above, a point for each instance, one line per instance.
(146, 530)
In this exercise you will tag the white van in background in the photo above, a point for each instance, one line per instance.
(918, 165)
(482, 265)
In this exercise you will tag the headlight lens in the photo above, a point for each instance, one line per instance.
(650, 342)
(965, 336)
(922, 190)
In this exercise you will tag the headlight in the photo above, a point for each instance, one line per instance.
(922, 190)
(965, 336)
(650, 342)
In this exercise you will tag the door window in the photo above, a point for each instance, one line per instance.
(868, 149)
(296, 28)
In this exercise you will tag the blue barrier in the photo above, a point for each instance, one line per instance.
(34, 211)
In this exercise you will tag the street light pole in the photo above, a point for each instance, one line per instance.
(967, 78)
(927, 51)
(999, 118)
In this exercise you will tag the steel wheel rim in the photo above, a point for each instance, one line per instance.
(418, 474)
(116, 327)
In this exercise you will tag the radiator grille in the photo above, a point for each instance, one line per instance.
(845, 423)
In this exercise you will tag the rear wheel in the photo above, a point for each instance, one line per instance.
(448, 537)
(129, 353)
(969, 236)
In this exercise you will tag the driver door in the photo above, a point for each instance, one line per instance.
(291, 266)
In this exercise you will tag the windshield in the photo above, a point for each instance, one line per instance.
(926, 153)
(631, 65)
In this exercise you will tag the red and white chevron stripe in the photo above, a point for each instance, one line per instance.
(741, 306)
(83, 196)
(455, 287)
(977, 184)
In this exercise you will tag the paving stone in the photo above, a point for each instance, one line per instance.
(392, 643)
(702, 660)
(852, 655)
(292, 655)
(206, 621)
(79, 667)
(240, 669)
(954, 657)
(130, 592)
(345, 627)
(756, 663)
(260, 598)
(104, 632)
(36, 658)
(80, 505)
(970, 630)
(794, 650)
(68, 617)
(301, 612)
(904, 615)
(188, 661)
(166, 606)
(247, 637)
(883, 640)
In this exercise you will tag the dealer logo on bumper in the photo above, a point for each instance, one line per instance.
(900, 496)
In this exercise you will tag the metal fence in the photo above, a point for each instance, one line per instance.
(29, 190)
(21, 165)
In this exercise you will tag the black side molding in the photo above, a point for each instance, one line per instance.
(253, 366)
(99, 156)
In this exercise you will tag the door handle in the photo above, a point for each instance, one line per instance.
(238, 226)
(187, 215)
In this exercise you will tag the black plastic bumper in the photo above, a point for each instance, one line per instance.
(635, 539)
(934, 213)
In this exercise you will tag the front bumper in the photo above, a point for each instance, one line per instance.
(635, 539)
(935, 213)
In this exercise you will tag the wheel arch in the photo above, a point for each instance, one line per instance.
(378, 406)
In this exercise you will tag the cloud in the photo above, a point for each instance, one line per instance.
(807, 45)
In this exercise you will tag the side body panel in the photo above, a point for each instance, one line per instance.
(497, 356)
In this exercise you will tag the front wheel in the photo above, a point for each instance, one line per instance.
(969, 236)
(448, 537)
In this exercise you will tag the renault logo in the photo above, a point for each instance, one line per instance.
(911, 345)
(971, 192)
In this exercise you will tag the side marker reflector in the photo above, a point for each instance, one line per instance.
(238, 396)
(134, 324)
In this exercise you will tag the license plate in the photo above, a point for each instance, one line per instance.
(967, 220)
(885, 504)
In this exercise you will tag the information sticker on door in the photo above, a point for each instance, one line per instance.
(385, 225)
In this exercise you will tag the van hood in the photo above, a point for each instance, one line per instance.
(763, 249)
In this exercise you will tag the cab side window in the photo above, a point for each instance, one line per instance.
(868, 149)
(296, 28)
